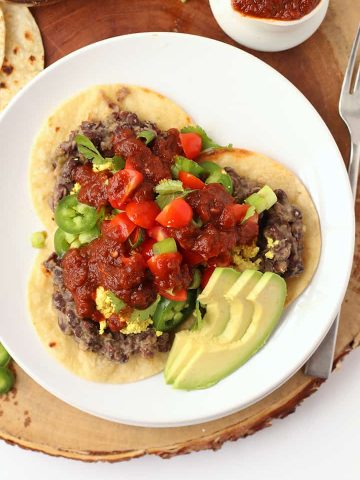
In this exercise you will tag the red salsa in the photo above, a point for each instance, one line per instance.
(278, 9)
(205, 228)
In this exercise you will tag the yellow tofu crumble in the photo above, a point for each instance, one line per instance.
(136, 326)
(75, 189)
(271, 243)
(105, 306)
(104, 166)
(243, 255)
(102, 326)
(104, 303)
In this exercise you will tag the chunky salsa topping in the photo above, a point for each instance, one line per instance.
(144, 219)
(139, 231)
(278, 9)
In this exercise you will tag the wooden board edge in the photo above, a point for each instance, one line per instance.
(212, 442)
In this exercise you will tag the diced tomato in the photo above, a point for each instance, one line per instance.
(254, 218)
(176, 296)
(206, 276)
(119, 227)
(135, 236)
(171, 276)
(146, 248)
(190, 181)
(239, 211)
(158, 264)
(121, 186)
(177, 214)
(158, 233)
(143, 214)
(223, 260)
(191, 144)
(227, 218)
(192, 258)
(249, 230)
(234, 214)
(129, 164)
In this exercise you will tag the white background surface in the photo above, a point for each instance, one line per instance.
(321, 440)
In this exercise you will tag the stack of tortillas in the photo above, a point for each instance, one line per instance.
(21, 50)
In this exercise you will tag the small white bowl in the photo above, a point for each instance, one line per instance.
(267, 35)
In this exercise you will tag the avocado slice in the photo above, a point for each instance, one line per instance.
(262, 200)
(208, 361)
(215, 320)
(219, 283)
(241, 309)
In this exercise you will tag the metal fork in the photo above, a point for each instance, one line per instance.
(320, 364)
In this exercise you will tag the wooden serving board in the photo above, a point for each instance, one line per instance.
(34, 419)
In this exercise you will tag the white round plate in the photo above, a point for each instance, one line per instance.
(237, 99)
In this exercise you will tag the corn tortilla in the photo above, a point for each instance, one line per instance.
(264, 170)
(94, 104)
(24, 51)
(86, 364)
(2, 37)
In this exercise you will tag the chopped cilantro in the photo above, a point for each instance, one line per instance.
(148, 135)
(207, 142)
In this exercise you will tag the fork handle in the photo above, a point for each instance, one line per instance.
(320, 363)
(354, 167)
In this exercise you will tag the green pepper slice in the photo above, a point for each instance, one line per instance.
(4, 356)
(186, 165)
(75, 217)
(165, 187)
(147, 135)
(217, 175)
(169, 314)
(63, 240)
(222, 178)
(210, 167)
(61, 245)
(196, 280)
(6, 380)
(251, 211)
(168, 245)
(88, 236)
(38, 239)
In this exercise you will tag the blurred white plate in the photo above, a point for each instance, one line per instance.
(237, 99)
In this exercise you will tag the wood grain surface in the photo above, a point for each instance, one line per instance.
(31, 417)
